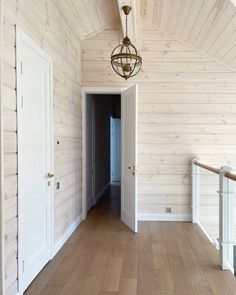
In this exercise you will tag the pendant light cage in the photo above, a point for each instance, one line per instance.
(125, 59)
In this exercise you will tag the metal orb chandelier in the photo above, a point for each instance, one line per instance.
(125, 60)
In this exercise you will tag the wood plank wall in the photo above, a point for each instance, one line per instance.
(2, 223)
(44, 23)
(187, 107)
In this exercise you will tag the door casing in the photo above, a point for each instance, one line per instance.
(21, 36)
(85, 91)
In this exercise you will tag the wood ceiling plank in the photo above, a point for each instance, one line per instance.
(223, 21)
(224, 36)
(157, 11)
(84, 15)
(226, 47)
(166, 10)
(66, 9)
(191, 19)
(175, 10)
(212, 19)
(200, 21)
(93, 14)
(185, 8)
(107, 11)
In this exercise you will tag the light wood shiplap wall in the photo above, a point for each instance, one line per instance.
(187, 107)
(45, 24)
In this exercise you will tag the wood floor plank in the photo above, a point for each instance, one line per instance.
(181, 281)
(164, 279)
(159, 257)
(128, 287)
(103, 257)
(112, 275)
(91, 285)
(146, 276)
(217, 284)
(99, 263)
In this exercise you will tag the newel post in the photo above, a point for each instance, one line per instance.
(225, 219)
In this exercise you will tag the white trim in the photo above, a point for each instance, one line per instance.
(206, 234)
(85, 91)
(60, 243)
(21, 36)
(102, 191)
(215, 244)
(164, 217)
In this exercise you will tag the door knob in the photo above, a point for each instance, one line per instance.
(50, 175)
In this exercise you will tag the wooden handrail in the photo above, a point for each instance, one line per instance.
(215, 170)
(209, 168)
(230, 176)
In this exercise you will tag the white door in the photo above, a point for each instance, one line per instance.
(115, 149)
(34, 158)
(129, 157)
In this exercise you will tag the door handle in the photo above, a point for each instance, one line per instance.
(133, 170)
(50, 175)
(131, 167)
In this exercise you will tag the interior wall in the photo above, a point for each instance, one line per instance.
(2, 270)
(44, 23)
(186, 108)
(105, 107)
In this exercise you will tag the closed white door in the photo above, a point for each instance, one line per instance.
(34, 158)
(115, 149)
(129, 157)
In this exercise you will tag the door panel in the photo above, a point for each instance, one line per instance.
(34, 161)
(129, 157)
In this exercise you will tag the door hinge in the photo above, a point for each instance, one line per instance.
(21, 68)
(23, 266)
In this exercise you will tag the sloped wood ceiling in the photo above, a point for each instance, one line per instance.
(88, 17)
(207, 25)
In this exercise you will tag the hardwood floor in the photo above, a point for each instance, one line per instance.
(103, 257)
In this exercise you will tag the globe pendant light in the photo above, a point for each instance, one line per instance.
(125, 60)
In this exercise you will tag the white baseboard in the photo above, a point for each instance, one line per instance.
(215, 243)
(164, 217)
(66, 235)
(98, 196)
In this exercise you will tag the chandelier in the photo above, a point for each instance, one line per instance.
(125, 60)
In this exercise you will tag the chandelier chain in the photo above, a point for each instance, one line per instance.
(126, 24)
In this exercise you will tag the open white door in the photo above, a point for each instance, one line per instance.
(129, 157)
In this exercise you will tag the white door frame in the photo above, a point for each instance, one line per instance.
(21, 36)
(85, 91)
